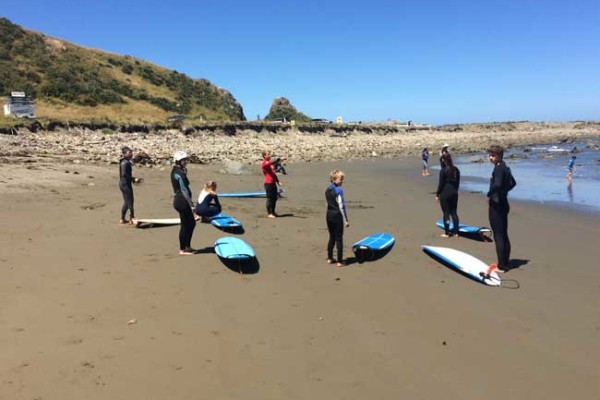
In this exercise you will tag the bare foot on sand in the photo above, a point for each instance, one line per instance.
(330, 261)
(271, 216)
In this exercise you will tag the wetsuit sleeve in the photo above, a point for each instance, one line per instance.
(184, 190)
(217, 203)
(441, 182)
(339, 198)
(126, 173)
(457, 172)
(498, 181)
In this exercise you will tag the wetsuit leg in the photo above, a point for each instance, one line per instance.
(186, 229)
(127, 192)
(446, 207)
(453, 200)
(271, 192)
(335, 226)
(498, 214)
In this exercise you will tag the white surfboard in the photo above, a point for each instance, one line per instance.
(157, 221)
(465, 264)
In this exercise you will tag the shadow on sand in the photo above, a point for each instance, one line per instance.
(366, 255)
(242, 265)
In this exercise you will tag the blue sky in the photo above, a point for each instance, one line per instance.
(429, 61)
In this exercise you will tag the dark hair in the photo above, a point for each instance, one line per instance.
(450, 168)
(496, 151)
(125, 149)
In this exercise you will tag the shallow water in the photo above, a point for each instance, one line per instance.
(541, 174)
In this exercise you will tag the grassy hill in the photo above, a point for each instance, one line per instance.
(70, 82)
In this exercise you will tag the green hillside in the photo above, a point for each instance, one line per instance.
(70, 82)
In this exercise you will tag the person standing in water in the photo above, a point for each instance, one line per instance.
(447, 195)
(182, 202)
(501, 182)
(571, 167)
(337, 217)
(425, 159)
(126, 181)
(271, 182)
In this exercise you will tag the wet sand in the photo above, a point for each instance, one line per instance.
(90, 309)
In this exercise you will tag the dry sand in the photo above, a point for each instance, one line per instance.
(93, 310)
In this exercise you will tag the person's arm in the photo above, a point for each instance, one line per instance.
(498, 181)
(217, 203)
(126, 173)
(339, 198)
(185, 190)
(457, 172)
(441, 183)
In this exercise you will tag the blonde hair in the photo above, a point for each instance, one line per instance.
(335, 174)
(265, 152)
(210, 186)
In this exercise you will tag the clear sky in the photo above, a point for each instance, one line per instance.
(430, 61)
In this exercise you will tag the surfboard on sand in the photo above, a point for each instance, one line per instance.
(373, 244)
(156, 221)
(249, 194)
(225, 221)
(462, 228)
(464, 264)
(230, 247)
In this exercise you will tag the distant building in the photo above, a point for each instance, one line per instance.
(19, 105)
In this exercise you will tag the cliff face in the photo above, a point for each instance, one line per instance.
(78, 81)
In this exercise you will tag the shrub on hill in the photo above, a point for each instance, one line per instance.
(49, 69)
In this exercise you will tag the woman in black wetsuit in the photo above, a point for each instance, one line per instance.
(208, 204)
(182, 202)
(447, 194)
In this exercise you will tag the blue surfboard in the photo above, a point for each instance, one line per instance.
(373, 244)
(225, 221)
(462, 227)
(233, 248)
(249, 194)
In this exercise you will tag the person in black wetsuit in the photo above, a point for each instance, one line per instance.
(447, 194)
(337, 217)
(126, 180)
(208, 202)
(182, 202)
(501, 183)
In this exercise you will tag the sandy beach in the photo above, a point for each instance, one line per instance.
(90, 309)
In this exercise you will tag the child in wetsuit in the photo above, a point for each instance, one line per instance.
(208, 202)
(337, 217)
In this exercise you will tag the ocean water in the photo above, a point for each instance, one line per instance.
(540, 172)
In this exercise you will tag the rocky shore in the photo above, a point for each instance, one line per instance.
(211, 145)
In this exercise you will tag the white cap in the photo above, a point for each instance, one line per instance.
(445, 145)
(180, 155)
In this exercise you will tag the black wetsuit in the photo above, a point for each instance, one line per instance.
(125, 184)
(336, 219)
(500, 184)
(209, 207)
(447, 193)
(182, 202)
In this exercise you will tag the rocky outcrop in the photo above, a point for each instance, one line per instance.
(243, 142)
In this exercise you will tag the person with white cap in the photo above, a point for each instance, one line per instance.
(182, 202)
(443, 153)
